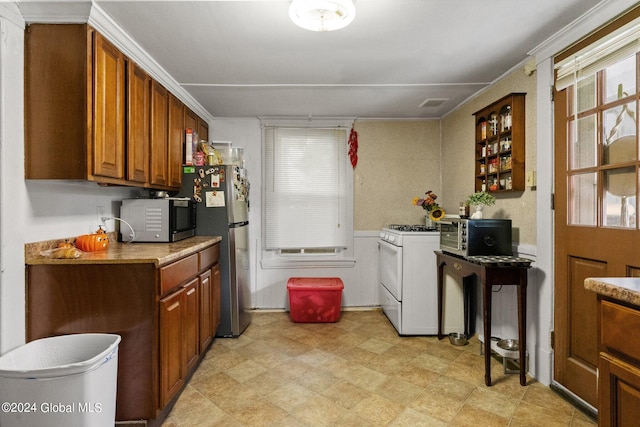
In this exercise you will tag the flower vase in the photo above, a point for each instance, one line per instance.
(478, 213)
(428, 222)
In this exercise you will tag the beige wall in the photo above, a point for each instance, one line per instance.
(402, 159)
(458, 157)
(397, 161)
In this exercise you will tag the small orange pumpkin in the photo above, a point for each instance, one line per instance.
(93, 242)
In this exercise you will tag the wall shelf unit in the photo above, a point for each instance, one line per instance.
(500, 145)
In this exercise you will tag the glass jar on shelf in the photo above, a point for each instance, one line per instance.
(505, 118)
(493, 124)
(505, 144)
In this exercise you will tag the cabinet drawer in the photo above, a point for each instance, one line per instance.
(178, 272)
(208, 257)
(620, 329)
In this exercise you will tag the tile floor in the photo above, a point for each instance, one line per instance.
(357, 372)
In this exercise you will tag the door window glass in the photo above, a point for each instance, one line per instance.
(584, 143)
(583, 197)
(603, 147)
(620, 198)
(586, 94)
(619, 125)
(620, 80)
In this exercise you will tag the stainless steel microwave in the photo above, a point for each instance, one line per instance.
(157, 220)
(466, 237)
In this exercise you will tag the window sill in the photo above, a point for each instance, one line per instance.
(307, 263)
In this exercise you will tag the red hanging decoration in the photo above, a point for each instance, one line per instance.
(353, 147)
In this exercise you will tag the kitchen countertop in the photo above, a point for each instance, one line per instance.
(625, 289)
(124, 253)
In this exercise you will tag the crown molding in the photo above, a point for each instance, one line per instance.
(596, 17)
(87, 12)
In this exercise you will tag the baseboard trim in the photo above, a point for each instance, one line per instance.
(583, 406)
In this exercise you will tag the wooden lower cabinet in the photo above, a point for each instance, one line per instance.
(619, 384)
(191, 323)
(215, 303)
(209, 305)
(165, 328)
(172, 372)
(619, 365)
(206, 307)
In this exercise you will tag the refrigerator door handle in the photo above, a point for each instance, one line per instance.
(238, 224)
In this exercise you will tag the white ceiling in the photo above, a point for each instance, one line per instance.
(246, 58)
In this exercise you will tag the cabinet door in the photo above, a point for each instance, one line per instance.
(215, 297)
(191, 120)
(172, 363)
(206, 305)
(108, 110)
(138, 120)
(190, 325)
(176, 141)
(618, 392)
(159, 133)
(203, 130)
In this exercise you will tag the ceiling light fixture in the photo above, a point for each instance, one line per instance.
(322, 15)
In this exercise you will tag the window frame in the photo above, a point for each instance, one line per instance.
(274, 258)
(595, 71)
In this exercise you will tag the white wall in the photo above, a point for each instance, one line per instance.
(32, 211)
(12, 186)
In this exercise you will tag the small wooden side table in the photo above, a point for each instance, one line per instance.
(489, 271)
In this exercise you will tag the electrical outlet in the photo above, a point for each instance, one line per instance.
(100, 213)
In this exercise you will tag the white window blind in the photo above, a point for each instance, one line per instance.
(607, 51)
(306, 190)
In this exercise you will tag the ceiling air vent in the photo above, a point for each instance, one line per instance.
(433, 102)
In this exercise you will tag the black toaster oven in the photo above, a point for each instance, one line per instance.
(467, 237)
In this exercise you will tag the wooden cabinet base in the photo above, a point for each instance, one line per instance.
(125, 299)
(618, 365)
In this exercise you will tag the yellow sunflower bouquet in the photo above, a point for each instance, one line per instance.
(430, 205)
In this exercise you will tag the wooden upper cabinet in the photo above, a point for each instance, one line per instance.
(108, 109)
(159, 133)
(92, 114)
(138, 123)
(176, 141)
(193, 121)
(57, 94)
(203, 130)
(190, 120)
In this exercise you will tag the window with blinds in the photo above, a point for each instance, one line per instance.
(308, 191)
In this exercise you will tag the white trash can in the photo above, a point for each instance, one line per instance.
(68, 380)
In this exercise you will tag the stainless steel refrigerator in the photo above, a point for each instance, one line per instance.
(222, 199)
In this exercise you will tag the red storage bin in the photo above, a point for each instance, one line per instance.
(315, 299)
